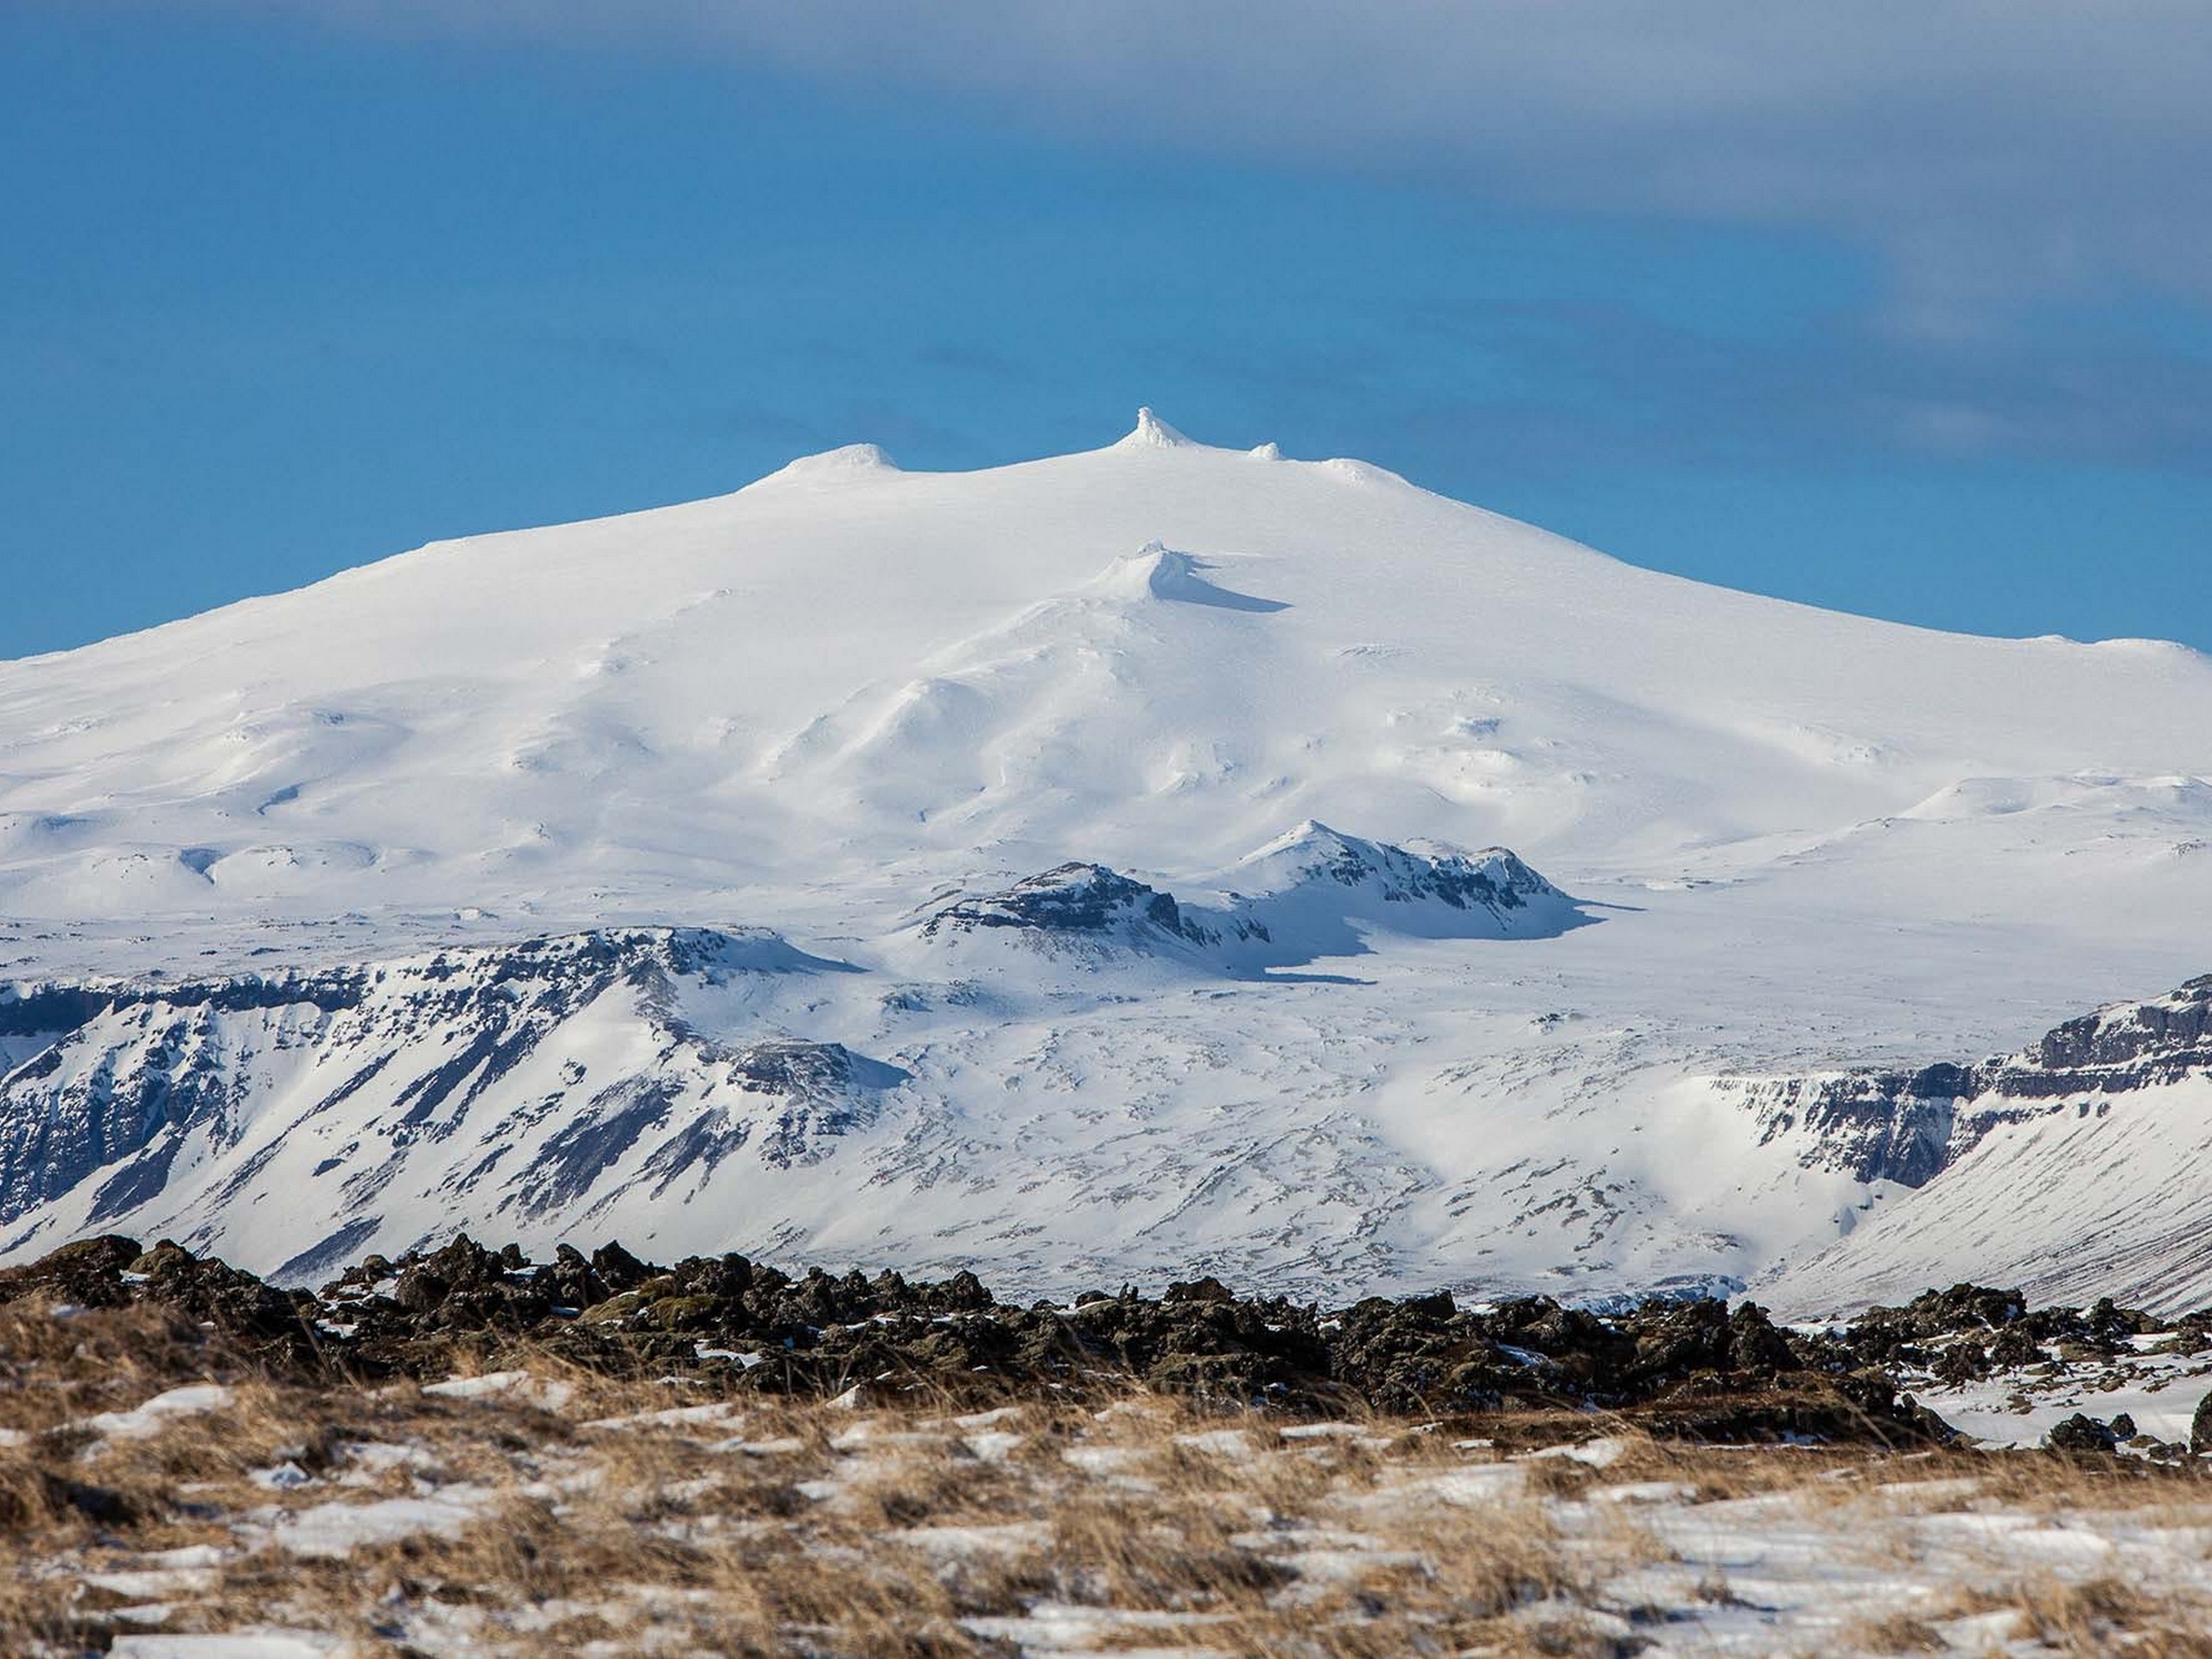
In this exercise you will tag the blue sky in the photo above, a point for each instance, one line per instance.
(278, 297)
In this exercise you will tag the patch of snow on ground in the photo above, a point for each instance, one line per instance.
(145, 1421)
(335, 1530)
(548, 1394)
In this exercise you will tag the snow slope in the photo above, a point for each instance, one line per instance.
(848, 699)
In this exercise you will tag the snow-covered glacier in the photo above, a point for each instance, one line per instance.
(1155, 859)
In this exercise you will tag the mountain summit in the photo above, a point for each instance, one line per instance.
(1151, 431)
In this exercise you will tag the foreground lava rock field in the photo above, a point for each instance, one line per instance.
(1693, 1370)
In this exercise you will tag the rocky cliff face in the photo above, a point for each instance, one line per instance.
(1909, 1127)
(2127, 1045)
(531, 1080)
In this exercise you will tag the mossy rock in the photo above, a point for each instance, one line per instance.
(676, 1312)
(614, 1308)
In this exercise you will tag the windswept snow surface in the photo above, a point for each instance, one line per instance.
(1306, 701)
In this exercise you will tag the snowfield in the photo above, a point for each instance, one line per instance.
(1154, 860)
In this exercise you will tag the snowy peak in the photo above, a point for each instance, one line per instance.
(1152, 433)
(601, 718)
(849, 462)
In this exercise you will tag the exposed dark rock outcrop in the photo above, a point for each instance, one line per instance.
(1907, 1126)
(1305, 895)
(1693, 1370)
(1996, 1327)
(2082, 1433)
(1075, 901)
(1493, 879)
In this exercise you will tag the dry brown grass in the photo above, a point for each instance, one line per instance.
(1894, 1633)
(887, 1532)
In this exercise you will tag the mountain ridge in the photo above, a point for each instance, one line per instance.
(165, 1107)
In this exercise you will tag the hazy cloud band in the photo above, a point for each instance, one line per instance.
(1996, 151)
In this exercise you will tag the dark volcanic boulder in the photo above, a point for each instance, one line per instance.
(1965, 1361)
(1888, 1335)
(2082, 1433)
(88, 1274)
(1422, 1355)
(215, 1311)
(266, 1323)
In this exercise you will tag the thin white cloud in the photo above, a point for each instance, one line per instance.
(1995, 150)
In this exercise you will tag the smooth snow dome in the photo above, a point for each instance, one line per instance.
(1159, 656)
(833, 701)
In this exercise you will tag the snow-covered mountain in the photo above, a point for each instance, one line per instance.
(863, 865)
